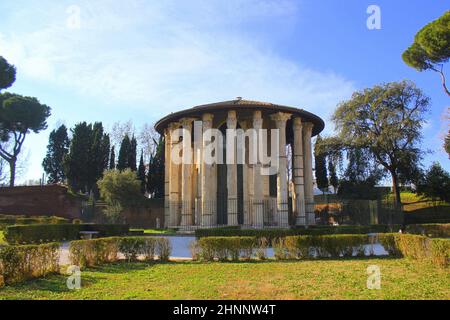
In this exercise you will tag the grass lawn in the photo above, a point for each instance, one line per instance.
(331, 279)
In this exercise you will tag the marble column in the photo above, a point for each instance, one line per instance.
(258, 205)
(280, 119)
(208, 199)
(232, 205)
(174, 186)
(309, 186)
(166, 177)
(298, 206)
(186, 173)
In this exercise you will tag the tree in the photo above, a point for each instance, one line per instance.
(132, 154)
(57, 148)
(385, 121)
(155, 175)
(112, 159)
(447, 143)
(18, 116)
(141, 172)
(431, 48)
(75, 162)
(334, 181)
(119, 189)
(88, 156)
(436, 183)
(124, 151)
(320, 166)
(7, 74)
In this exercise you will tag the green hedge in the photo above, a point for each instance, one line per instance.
(41, 233)
(417, 247)
(19, 263)
(89, 253)
(271, 234)
(224, 248)
(432, 230)
(7, 220)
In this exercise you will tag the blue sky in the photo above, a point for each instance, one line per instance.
(140, 60)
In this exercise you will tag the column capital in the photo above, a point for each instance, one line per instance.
(257, 119)
(308, 126)
(207, 120)
(297, 123)
(280, 118)
(173, 125)
(231, 120)
(186, 122)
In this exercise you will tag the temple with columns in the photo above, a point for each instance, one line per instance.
(200, 194)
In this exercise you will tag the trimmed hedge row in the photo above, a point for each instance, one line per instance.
(7, 220)
(433, 230)
(417, 247)
(271, 234)
(292, 247)
(19, 263)
(89, 253)
(41, 233)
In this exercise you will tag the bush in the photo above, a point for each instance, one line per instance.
(326, 246)
(417, 247)
(225, 248)
(19, 263)
(271, 234)
(7, 220)
(89, 253)
(41, 233)
(432, 230)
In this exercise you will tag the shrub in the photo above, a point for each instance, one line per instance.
(40, 233)
(225, 248)
(19, 263)
(433, 230)
(7, 220)
(89, 253)
(417, 247)
(261, 248)
(271, 234)
(326, 246)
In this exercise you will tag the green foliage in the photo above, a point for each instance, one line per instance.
(431, 47)
(320, 166)
(431, 230)
(18, 116)
(225, 248)
(57, 148)
(7, 74)
(272, 234)
(7, 220)
(447, 143)
(89, 253)
(386, 121)
(39, 233)
(120, 187)
(112, 159)
(155, 175)
(88, 156)
(417, 247)
(141, 173)
(326, 246)
(435, 184)
(127, 154)
(19, 263)
(334, 181)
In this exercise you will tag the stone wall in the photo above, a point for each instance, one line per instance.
(48, 200)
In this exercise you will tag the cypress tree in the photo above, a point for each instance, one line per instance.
(123, 160)
(320, 166)
(141, 172)
(57, 148)
(112, 159)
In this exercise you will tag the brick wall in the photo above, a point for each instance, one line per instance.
(48, 200)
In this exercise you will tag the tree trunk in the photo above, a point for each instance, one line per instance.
(12, 172)
(396, 188)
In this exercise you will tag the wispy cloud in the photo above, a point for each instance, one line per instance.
(171, 54)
